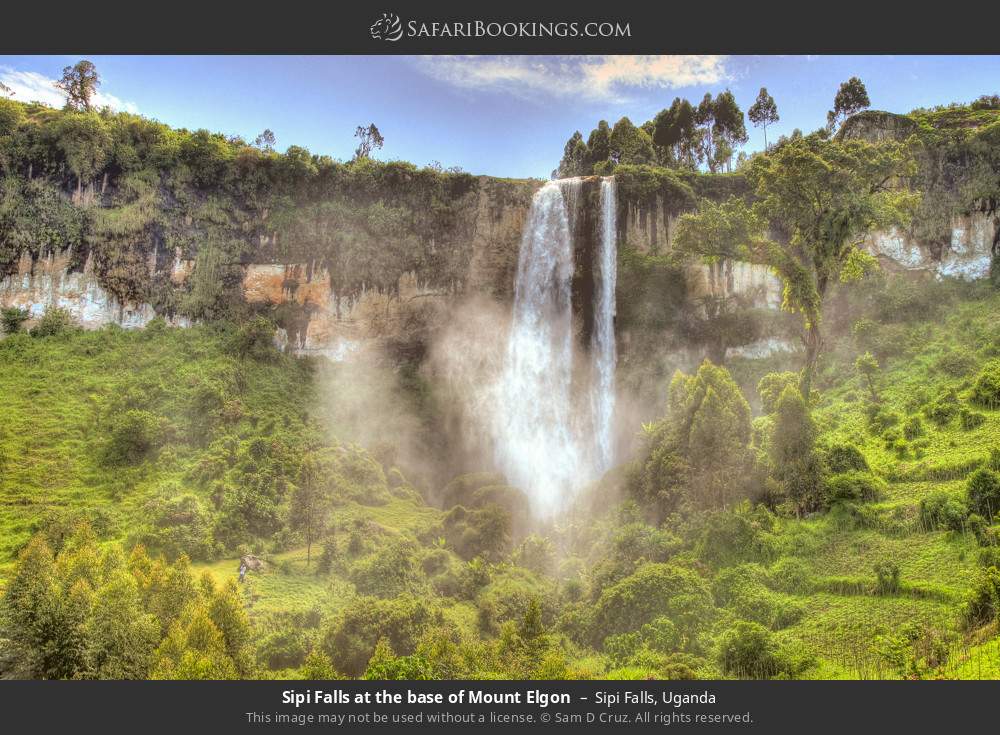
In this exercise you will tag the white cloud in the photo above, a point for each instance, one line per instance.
(30, 86)
(599, 78)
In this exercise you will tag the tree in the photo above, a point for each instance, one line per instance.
(11, 116)
(983, 491)
(265, 141)
(712, 421)
(576, 158)
(699, 451)
(599, 143)
(370, 139)
(79, 83)
(317, 666)
(852, 97)
(121, 634)
(763, 112)
(4, 89)
(728, 128)
(229, 615)
(310, 502)
(86, 144)
(27, 607)
(795, 463)
(704, 116)
(674, 130)
(815, 201)
(867, 367)
(629, 144)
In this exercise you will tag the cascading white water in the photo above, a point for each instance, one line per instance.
(535, 442)
(543, 445)
(603, 338)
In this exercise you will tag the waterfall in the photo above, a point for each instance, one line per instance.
(547, 443)
(603, 338)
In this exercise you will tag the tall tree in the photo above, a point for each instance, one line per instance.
(599, 143)
(266, 140)
(795, 464)
(310, 502)
(674, 130)
(763, 112)
(79, 83)
(704, 116)
(630, 144)
(852, 97)
(369, 139)
(86, 144)
(576, 158)
(815, 199)
(728, 128)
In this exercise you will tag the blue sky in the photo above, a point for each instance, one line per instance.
(505, 116)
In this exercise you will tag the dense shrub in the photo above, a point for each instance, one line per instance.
(913, 428)
(956, 362)
(385, 665)
(12, 318)
(983, 603)
(255, 340)
(986, 389)
(749, 650)
(886, 577)
(510, 594)
(180, 525)
(740, 534)
(54, 321)
(483, 532)
(537, 554)
(388, 572)
(654, 590)
(845, 458)
(943, 409)
(970, 420)
(351, 637)
(790, 574)
(133, 435)
(284, 648)
(853, 486)
(982, 489)
(880, 418)
(943, 510)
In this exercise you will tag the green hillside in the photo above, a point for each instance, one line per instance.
(192, 442)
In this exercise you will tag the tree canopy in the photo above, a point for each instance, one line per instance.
(815, 200)
(763, 112)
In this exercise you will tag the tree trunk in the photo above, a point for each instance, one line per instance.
(814, 341)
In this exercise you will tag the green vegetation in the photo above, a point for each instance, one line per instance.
(832, 518)
(836, 555)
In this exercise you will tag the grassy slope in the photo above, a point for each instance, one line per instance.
(55, 392)
(937, 566)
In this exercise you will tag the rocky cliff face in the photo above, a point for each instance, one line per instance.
(316, 319)
(487, 232)
(967, 253)
(51, 280)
